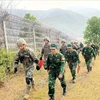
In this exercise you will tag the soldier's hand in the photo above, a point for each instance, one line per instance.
(48, 71)
(15, 70)
(37, 67)
(40, 58)
(60, 76)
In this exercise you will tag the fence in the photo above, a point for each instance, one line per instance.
(14, 27)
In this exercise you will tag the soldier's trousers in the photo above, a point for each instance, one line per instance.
(29, 77)
(52, 78)
(88, 62)
(72, 67)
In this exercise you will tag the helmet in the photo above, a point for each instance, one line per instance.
(21, 41)
(47, 38)
(63, 40)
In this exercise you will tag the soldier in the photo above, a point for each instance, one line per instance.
(55, 69)
(45, 51)
(63, 47)
(97, 49)
(72, 59)
(88, 54)
(74, 45)
(27, 57)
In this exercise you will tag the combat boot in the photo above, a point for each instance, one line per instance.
(90, 68)
(64, 91)
(33, 87)
(73, 80)
(51, 98)
(26, 95)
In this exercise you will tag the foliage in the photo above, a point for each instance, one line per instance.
(6, 63)
(30, 17)
(92, 30)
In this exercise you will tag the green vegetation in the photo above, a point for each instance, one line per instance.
(92, 30)
(30, 17)
(6, 63)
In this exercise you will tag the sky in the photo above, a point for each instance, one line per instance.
(50, 4)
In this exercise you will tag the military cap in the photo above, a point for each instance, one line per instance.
(69, 46)
(63, 40)
(21, 41)
(53, 46)
(47, 38)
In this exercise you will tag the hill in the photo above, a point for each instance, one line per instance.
(71, 22)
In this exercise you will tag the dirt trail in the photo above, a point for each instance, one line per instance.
(87, 86)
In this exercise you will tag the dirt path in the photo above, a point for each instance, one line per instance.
(87, 86)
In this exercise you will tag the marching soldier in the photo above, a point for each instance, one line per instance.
(27, 57)
(45, 50)
(55, 68)
(88, 53)
(72, 59)
(63, 47)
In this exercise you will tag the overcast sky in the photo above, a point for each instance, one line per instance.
(49, 4)
(63, 4)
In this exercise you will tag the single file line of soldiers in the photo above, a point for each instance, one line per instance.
(54, 63)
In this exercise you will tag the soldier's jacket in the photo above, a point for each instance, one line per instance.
(56, 62)
(72, 57)
(94, 47)
(26, 57)
(88, 52)
(45, 50)
(63, 49)
(97, 48)
(75, 47)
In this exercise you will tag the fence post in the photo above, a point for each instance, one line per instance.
(5, 36)
(34, 39)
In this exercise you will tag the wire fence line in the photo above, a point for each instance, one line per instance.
(13, 27)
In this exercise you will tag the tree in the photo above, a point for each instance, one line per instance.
(92, 30)
(30, 17)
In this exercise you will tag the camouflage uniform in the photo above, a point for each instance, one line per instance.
(88, 54)
(73, 59)
(27, 58)
(63, 48)
(45, 51)
(55, 64)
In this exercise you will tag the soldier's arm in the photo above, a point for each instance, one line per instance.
(78, 59)
(17, 59)
(83, 53)
(33, 56)
(62, 64)
(16, 62)
(48, 63)
(94, 55)
(42, 52)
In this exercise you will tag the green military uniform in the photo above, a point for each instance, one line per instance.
(73, 59)
(55, 63)
(45, 51)
(27, 58)
(88, 54)
(97, 50)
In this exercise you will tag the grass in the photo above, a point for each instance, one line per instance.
(87, 86)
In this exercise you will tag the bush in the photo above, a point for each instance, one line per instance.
(6, 63)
